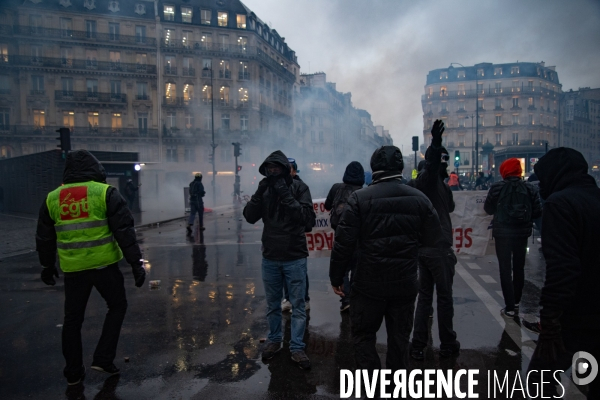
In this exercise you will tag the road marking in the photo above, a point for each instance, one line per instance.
(500, 293)
(473, 266)
(487, 279)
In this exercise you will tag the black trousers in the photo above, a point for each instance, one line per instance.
(438, 272)
(511, 252)
(575, 340)
(366, 315)
(78, 286)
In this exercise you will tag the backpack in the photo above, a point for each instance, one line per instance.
(339, 203)
(514, 204)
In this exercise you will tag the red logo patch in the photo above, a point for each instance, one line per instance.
(73, 203)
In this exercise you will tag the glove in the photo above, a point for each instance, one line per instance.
(281, 188)
(550, 344)
(139, 274)
(436, 132)
(48, 274)
(262, 186)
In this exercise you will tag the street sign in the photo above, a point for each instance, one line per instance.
(456, 164)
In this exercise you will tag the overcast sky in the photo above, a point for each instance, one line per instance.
(382, 50)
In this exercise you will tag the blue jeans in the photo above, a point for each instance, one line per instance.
(274, 273)
(286, 294)
(196, 208)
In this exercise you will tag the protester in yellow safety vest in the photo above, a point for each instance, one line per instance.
(89, 223)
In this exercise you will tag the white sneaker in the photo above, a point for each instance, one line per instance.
(286, 305)
(307, 305)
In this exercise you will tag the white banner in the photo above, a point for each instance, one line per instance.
(470, 226)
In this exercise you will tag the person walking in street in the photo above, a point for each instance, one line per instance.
(335, 203)
(454, 182)
(436, 263)
(514, 205)
(196, 203)
(286, 208)
(131, 193)
(286, 305)
(570, 303)
(387, 222)
(88, 222)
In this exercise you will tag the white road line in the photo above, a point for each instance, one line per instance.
(500, 293)
(487, 279)
(473, 266)
(520, 336)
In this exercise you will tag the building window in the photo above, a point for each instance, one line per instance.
(170, 66)
(498, 138)
(530, 102)
(243, 122)
(222, 18)
(90, 29)
(321, 137)
(37, 84)
(515, 86)
(461, 106)
(461, 73)
(93, 120)
(515, 103)
(3, 53)
(498, 120)
(35, 24)
(498, 71)
(188, 93)
(66, 27)
(480, 72)
(4, 119)
(498, 104)
(242, 43)
(36, 54)
(171, 120)
(189, 154)
(244, 72)
(444, 107)
(169, 13)
(226, 154)
(140, 34)
(514, 70)
(224, 121)
(480, 88)
(115, 89)
(224, 71)
(113, 31)
(531, 120)
(170, 92)
(188, 66)
(171, 153)
(241, 21)
(515, 138)
(39, 119)
(243, 92)
(461, 122)
(91, 59)
(189, 120)
(480, 104)
(143, 123)
(92, 87)
(169, 37)
(515, 119)
(115, 60)
(186, 15)
(461, 89)
(224, 42)
(205, 16)
(116, 122)
(4, 84)
(206, 94)
(444, 75)
(498, 87)
(142, 91)
(480, 121)
(224, 96)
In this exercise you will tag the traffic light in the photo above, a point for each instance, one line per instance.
(456, 155)
(65, 139)
(237, 149)
(415, 146)
(239, 168)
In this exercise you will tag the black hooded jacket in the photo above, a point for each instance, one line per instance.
(285, 220)
(430, 181)
(570, 237)
(354, 176)
(82, 166)
(386, 222)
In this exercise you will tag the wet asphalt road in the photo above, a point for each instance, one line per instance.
(198, 335)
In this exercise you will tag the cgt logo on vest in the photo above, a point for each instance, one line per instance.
(74, 203)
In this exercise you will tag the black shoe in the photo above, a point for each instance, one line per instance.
(508, 314)
(75, 379)
(109, 369)
(188, 229)
(344, 307)
(301, 359)
(533, 327)
(451, 352)
(418, 354)
(270, 350)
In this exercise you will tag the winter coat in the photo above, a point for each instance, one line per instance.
(491, 204)
(431, 182)
(570, 237)
(82, 166)
(197, 191)
(283, 237)
(130, 190)
(387, 222)
(354, 176)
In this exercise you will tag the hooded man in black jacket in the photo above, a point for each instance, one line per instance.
(82, 167)
(387, 222)
(570, 301)
(285, 206)
(353, 180)
(436, 264)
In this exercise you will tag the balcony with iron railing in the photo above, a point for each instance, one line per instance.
(243, 75)
(77, 131)
(188, 71)
(71, 34)
(90, 97)
(224, 74)
(169, 70)
(54, 62)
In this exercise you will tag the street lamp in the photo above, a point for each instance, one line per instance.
(212, 125)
